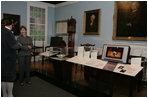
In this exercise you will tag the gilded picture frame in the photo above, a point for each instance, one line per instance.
(130, 20)
(92, 22)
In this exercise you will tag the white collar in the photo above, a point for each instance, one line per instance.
(7, 27)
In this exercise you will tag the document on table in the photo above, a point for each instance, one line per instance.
(96, 63)
(60, 59)
(110, 66)
(127, 69)
(88, 62)
(78, 60)
(47, 53)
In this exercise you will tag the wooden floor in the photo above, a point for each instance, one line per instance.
(78, 77)
(39, 88)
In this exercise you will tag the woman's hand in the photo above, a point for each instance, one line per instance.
(29, 47)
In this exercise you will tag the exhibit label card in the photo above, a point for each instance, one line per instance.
(94, 54)
(80, 51)
(136, 61)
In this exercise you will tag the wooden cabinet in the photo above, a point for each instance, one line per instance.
(71, 36)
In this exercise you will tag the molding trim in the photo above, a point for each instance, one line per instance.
(42, 3)
(66, 3)
(52, 5)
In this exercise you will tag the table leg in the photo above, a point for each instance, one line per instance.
(132, 85)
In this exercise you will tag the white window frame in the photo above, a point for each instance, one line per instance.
(40, 5)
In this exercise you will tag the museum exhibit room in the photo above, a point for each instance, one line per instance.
(73, 48)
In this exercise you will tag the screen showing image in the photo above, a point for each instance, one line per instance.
(114, 52)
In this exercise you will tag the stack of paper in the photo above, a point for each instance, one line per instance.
(88, 62)
(96, 63)
(47, 54)
(78, 60)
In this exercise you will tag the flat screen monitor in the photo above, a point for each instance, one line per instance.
(55, 41)
(116, 53)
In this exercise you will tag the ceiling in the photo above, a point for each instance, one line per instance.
(53, 2)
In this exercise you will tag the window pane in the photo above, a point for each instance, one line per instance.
(37, 23)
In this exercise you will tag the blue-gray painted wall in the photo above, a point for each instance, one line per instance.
(20, 8)
(15, 7)
(77, 11)
(51, 23)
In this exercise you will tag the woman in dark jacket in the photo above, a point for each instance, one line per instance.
(8, 57)
(24, 55)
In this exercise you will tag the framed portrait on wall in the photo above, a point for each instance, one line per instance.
(92, 22)
(130, 20)
(16, 22)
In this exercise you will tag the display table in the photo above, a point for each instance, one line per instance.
(62, 69)
(48, 53)
(110, 72)
(125, 69)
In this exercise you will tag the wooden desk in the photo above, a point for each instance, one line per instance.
(62, 69)
(48, 54)
(110, 73)
(111, 77)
